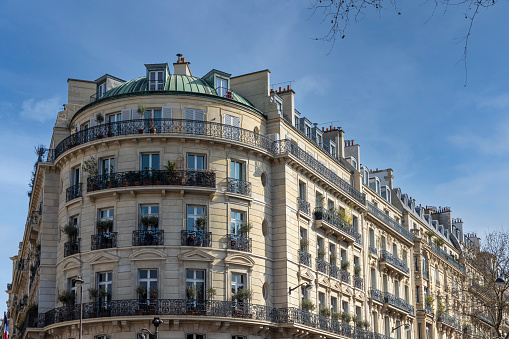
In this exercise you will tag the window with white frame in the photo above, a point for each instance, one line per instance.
(107, 166)
(302, 191)
(238, 283)
(75, 176)
(101, 90)
(155, 80)
(74, 221)
(105, 220)
(196, 162)
(106, 214)
(149, 161)
(307, 130)
(73, 288)
(147, 280)
(195, 336)
(194, 212)
(115, 117)
(333, 304)
(195, 278)
(236, 220)
(149, 217)
(303, 239)
(104, 287)
(221, 86)
(345, 307)
(237, 170)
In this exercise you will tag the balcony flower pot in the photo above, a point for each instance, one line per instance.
(152, 130)
(318, 214)
(110, 134)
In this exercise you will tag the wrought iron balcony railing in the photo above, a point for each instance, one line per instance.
(334, 271)
(322, 266)
(207, 129)
(148, 238)
(196, 238)
(373, 250)
(73, 192)
(324, 214)
(238, 186)
(72, 247)
(377, 295)
(390, 221)
(391, 299)
(394, 261)
(202, 308)
(305, 258)
(304, 206)
(358, 282)
(425, 275)
(345, 276)
(446, 256)
(449, 320)
(239, 243)
(104, 240)
(429, 309)
(152, 178)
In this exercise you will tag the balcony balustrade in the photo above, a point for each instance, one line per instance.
(358, 282)
(207, 129)
(446, 257)
(304, 206)
(238, 186)
(373, 250)
(152, 178)
(395, 301)
(72, 247)
(377, 295)
(305, 258)
(148, 237)
(425, 275)
(449, 320)
(379, 214)
(239, 243)
(334, 223)
(202, 308)
(104, 240)
(429, 309)
(322, 266)
(73, 192)
(196, 238)
(388, 260)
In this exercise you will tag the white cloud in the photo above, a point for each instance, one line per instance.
(42, 110)
(493, 142)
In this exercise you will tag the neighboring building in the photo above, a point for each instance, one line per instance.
(212, 204)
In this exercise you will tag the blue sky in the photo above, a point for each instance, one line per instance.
(395, 84)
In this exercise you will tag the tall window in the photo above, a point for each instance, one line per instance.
(319, 245)
(72, 287)
(371, 237)
(387, 327)
(221, 86)
(107, 166)
(384, 245)
(395, 250)
(358, 312)
(396, 288)
(385, 283)
(417, 296)
(302, 191)
(406, 293)
(319, 199)
(345, 307)
(333, 304)
(196, 162)
(236, 220)
(332, 254)
(355, 224)
(303, 239)
(101, 90)
(148, 280)
(373, 278)
(321, 300)
(237, 170)
(193, 214)
(149, 161)
(238, 282)
(155, 80)
(149, 217)
(75, 176)
(398, 331)
(104, 288)
(195, 278)
(116, 117)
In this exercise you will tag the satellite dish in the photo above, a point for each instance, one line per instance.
(407, 327)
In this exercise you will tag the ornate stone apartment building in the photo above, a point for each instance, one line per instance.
(212, 204)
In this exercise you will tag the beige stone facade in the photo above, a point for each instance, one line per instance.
(283, 205)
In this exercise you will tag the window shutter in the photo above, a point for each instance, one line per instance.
(166, 113)
(189, 114)
(125, 114)
(236, 122)
(199, 114)
(134, 114)
(93, 122)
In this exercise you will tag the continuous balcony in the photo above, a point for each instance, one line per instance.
(73, 192)
(450, 260)
(393, 263)
(104, 240)
(373, 250)
(397, 227)
(377, 295)
(340, 274)
(239, 243)
(148, 238)
(334, 224)
(396, 302)
(152, 178)
(196, 238)
(305, 258)
(449, 321)
(184, 309)
(238, 186)
(358, 282)
(322, 266)
(72, 247)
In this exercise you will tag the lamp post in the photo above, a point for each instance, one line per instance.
(308, 287)
(79, 282)
(156, 322)
(407, 327)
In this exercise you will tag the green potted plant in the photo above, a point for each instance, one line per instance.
(357, 270)
(211, 293)
(170, 173)
(70, 229)
(332, 259)
(318, 213)
(307, 305)
(191, 292)
(141, 111)
(245, 228)
(357, 321)
(429, 300)
(67, 298)
(93, 293)
(345, 265)
(324, 312)
(365, 324)
(243, 295)
(201, 223)
(335, 316)
(321, 253)
(104, 226)
(345, 317)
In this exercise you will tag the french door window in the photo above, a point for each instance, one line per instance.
(195, 284)
(104, 288)
(148, 282)
(149, 161)
(107, 166)
(155, 80)
(196, 162)
(236, 220)
(193, 214)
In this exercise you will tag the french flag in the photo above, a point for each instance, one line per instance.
(6, 328)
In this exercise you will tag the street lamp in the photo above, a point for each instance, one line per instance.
(79, 282)
(156, 322)
(308, 287)
(406, 328)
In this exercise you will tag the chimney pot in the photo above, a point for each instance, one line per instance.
(183, 59)
(331, 127)
(288, 87)
(280, 89)
(353, 143)
(323, 128)
(179, 55)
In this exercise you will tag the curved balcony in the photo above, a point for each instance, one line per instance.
(393, 264)
(238, 186)
(148, 238)
(239, 243)
(152, 178)
(196, 238)
(333, 224)
(180, 308)
(73, 192)
(104, 240)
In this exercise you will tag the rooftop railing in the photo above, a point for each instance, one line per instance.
(390, 221)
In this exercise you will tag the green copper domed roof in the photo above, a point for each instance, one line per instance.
(175, 84)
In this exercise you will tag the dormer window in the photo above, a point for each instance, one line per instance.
(101, 90)
(222, 88)
(156, 80)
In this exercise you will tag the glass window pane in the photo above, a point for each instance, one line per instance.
(144, 161)
(200, 162)
(189, 274)
(200, 274)
(190, 161)
(153, 273)
(155, 161)
(143, 274)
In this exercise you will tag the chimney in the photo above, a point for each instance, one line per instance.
(181, 67)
